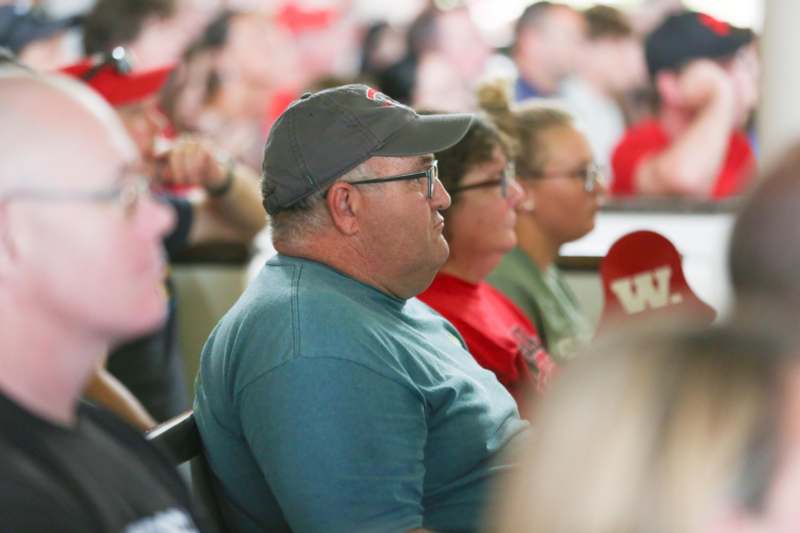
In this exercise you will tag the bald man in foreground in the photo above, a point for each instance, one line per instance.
(81, 268)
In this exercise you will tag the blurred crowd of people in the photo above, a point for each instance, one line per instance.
(412, 358)
(642, 85)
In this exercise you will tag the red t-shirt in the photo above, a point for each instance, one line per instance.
(499, 336)
(649, 138)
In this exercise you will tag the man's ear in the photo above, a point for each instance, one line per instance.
(344, 205)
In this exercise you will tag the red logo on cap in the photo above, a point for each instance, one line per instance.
(717, 26)
(377, 96)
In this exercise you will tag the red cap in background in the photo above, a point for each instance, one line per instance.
(118, 86)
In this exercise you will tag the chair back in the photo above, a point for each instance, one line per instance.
(180, 439)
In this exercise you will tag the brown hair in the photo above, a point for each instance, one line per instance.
(525, 125)
(606, 22)
(535, 16)
(113, 23)
(475, 148)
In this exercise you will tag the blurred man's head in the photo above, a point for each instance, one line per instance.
(688, 37)
(612, 57)
(133, 96)
(80, 238)
(548, 39)
(259, 51)
(232, 70)
(461, 43)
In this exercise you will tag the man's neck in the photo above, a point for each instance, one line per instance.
(471, 269)
(348, 260)
(44, 367)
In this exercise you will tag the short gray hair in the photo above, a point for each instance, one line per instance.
(308, 216)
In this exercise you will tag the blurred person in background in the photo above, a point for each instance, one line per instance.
(671, 429)
(229, 209)
(610, 66)
(155, 32)
(233, 81)
(563, 189)
(382, 46)
(548, 38)
(764, 252)
(326, 37)
(36, 39)
(81, 267)
(448, 71)
(704, 75)
(446, 56)
(478, 172)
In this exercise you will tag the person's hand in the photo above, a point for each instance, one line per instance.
(704, 82)
(191, 161)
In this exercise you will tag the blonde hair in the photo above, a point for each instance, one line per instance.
(652, 434)
(525, 124)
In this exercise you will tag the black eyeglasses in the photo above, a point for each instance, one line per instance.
(431, 173)
(507, 175)
(126, 194)
(118, 59)
(591, 175)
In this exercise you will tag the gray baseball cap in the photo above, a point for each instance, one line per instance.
(324, 135)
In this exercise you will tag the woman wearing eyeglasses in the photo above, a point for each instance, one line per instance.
(479, 227)
(563, 189)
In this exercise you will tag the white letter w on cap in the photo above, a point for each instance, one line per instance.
(646, 290)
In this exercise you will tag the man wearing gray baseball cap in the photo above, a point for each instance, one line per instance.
(329, 398)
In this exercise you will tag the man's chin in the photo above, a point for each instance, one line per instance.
(145, 323)
(445, 252)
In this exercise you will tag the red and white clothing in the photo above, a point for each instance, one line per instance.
(648, 138)
(499, 336)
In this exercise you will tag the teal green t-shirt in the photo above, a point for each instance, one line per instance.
(547, 300)
(326, 405)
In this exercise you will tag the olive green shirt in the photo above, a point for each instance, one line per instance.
(547, 300)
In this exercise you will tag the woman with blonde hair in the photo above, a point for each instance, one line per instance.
(562, 187)
(674, 430)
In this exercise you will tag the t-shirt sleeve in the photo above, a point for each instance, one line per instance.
(178, 238)
(635, 147)
(340, 445)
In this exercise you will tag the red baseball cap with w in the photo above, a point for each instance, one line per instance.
(642, 276)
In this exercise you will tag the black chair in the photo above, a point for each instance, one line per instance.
(180, 439)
